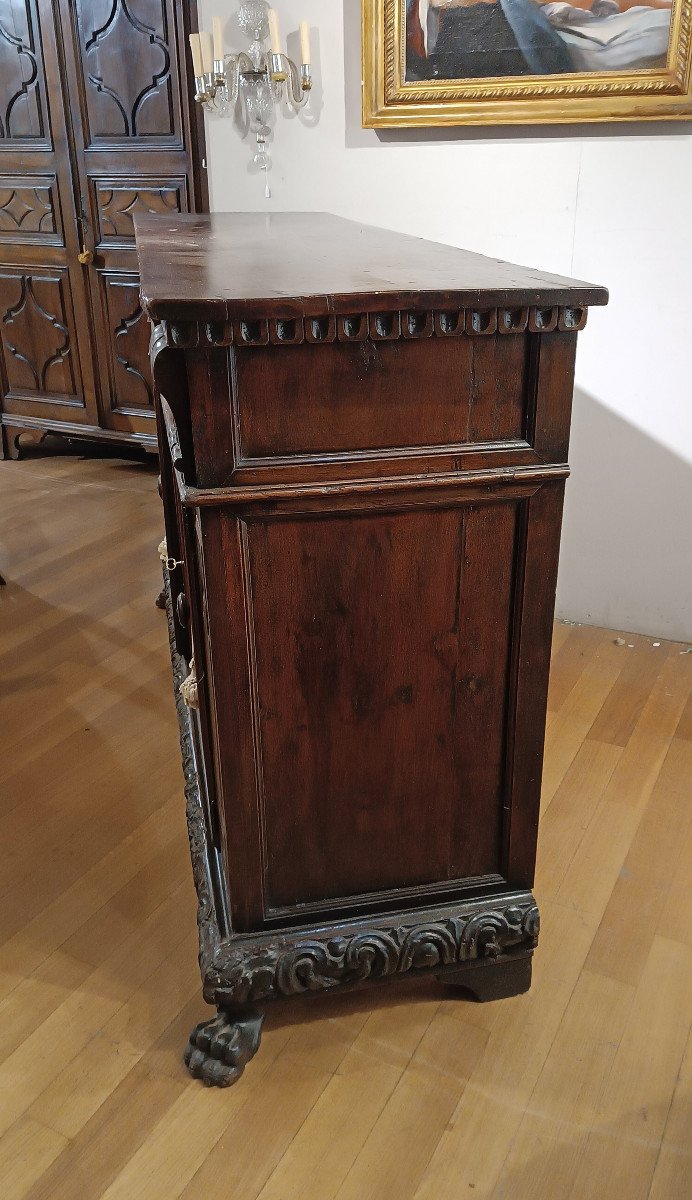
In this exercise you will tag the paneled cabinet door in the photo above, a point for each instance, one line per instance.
(136, 153)
(44, 316)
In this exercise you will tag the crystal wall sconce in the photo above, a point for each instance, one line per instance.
(258, 80)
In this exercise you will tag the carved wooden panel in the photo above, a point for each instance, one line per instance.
(37, 334)
(362, 646)
(28, 209)
(129, 331)
(94, 126)
(118, 200)
(21, 75)
(126, 63)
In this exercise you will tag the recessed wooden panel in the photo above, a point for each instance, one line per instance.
(37, 332)
(28, 209)
(117, 201)
(370, 395)
(127, 64)
(381, 650)
(129, 333)
(22, 117)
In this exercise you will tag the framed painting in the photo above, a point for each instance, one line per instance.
(475, 62)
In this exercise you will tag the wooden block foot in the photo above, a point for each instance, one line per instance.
(219, 1049)
(496, 981)
(13, 436)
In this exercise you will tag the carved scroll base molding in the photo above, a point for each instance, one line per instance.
(245, 970)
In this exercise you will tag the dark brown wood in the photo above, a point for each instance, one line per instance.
(536, 580)
(372, 634)
(14, 437)
(220, 1049)
(508, 978)
(321, 415)
(46, 376)
(96, 123)
(248, 267)
(362, 491)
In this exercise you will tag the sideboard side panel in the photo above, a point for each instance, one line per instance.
(231, 690)
(535, 607)
(554, 391)
(374, 396)
(360, 665)
(209, 379)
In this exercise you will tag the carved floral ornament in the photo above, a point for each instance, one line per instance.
(377, 327)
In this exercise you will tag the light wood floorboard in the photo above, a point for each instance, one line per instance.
(579, 1090)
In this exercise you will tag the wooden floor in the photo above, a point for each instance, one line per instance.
(580, 1089)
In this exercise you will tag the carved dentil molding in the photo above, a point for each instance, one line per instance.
(375, 327)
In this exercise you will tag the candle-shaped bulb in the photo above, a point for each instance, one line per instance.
(304, 42)
(207, 52)
(217, 27)
(274, 35)
(196, 54)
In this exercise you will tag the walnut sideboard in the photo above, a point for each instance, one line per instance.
(363, 441)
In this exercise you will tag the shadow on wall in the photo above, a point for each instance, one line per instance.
(625, 561)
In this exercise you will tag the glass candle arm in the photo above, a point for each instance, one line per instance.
(233, 76)
(300, 84)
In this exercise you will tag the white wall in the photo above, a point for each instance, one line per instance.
(610, 205)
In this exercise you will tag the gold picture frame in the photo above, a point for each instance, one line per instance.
(391, 99)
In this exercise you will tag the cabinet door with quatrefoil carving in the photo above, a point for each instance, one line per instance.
(96, 124)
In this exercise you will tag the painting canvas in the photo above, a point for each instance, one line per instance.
(466, 39)
(456, 61)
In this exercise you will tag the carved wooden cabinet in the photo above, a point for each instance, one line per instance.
(364, 449)
(96, 123)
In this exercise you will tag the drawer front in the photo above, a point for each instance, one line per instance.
(353, 397)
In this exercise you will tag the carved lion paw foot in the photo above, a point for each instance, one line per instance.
(219, 1049)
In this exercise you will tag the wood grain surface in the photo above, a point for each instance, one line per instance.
(217, 264)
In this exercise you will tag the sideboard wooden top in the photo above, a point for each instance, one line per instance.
(221, 266)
